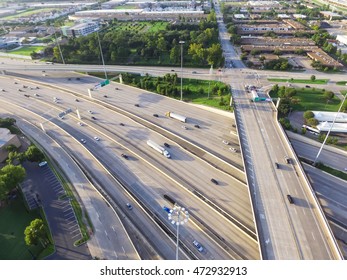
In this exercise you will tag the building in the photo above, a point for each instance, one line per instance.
(6, 139)
(342, 39)
(330, 15)
(322, 116)
(82, 29)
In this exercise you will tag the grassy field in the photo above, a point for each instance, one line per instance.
(142, 26)
(313, 99)
(341, 83)
(26, 50)
(124, 7)
(14, 218)
(300, 81)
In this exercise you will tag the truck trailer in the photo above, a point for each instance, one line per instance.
(176, 116)
(158, 148)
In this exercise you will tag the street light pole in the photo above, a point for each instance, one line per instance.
(102, 56)
(326, 137)
(56, 40)
(179, 216)
(181, 42)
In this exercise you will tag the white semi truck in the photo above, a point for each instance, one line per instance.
(176, 116)
(158, 148)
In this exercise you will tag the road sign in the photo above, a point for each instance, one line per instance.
(104, 83)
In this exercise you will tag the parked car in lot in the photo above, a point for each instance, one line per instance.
(43, 163)
(129, 206)
(198, 246)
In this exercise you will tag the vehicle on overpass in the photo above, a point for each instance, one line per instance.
(158, 148)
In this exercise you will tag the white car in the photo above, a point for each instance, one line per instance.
(80, 124)
(90, 111)
(198, 246)
(233, 150)
(97, 138)
(225, 142)
(184, 127)
(83, 141)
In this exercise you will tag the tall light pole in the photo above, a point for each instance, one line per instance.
(56, 40)
(326, 137)
(181, 42)
(179, 216)
(102, 56)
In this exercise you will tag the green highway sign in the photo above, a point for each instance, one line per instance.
(104, 83)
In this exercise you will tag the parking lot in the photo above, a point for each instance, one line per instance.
(42, 188)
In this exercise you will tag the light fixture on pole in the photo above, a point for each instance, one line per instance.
(181, 42)
(179, 216)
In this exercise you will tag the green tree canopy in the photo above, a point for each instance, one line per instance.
(35, 232)
(308, 115)
(34, 154)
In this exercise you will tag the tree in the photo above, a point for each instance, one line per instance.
(10, 177)
(35, 232)
(329, 95)
(313, 78)
(34, 154)
(308, 115)
(312, 122)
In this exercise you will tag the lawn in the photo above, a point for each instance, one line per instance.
(312, 99)
(14, 218)
(26, 50)
(30, 12)
(342, 83)
(300, 81)
(142, 26)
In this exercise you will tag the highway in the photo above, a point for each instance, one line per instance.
(286, 231)
(109, 128)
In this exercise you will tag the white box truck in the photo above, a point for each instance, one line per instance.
(176, 116)
(158, 148)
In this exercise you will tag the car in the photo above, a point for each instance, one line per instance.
(78, 78)
(193, 72)
(167, 209)
(26, 95)
(96, 138)
(136, 105)
(214, 181)
(345, 169)
(90, 111)
(56, 101)
(36, 94)
(93, 118)
(19, 89)
(233, 150)
(80, 124)
(24, 86)
(43, 163)
(196, 125)
(122, 124)
(290, 199)
(69, 79)
(172, 70)
(287, 159)
(129, 206)
(225, 142)
(105, 95)
(155, 115)
(277, 165)
(166, 145)
(77, 100)
(307, 86)
(184, 127)
(15, 83)
(2, 90)
(198, 246)
(124, 156)
(116, 88)
(83, 141)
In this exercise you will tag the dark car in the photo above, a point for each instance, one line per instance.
(78, 78)
(77, 100)
(196, 125)
(287, 159)
(166, 145)
(129, 206)
(277, 165)
(124, 156)
(93, 118)
(105, 96)
(155, 115)
(167, 209)
(137, 105)
(122, 124)
(290, 199)
(214, 181)
(116, 88)
(307, 86)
